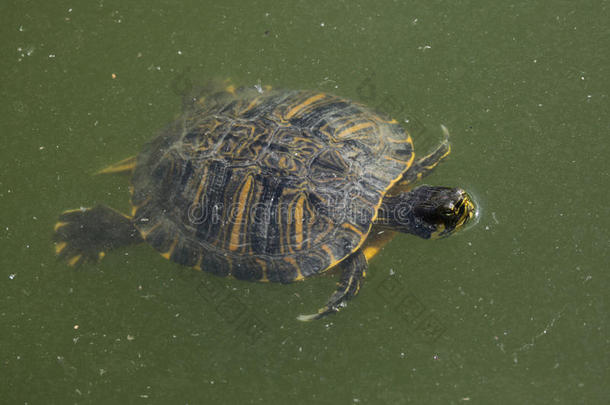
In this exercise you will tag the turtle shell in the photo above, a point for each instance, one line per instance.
(272, 186)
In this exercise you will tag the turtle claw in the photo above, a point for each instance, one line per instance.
(308, 318)
(84, 235)
(73, 242)
(354, 268)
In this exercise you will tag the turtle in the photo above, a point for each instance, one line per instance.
(273, 186)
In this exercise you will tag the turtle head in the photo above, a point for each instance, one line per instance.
(427, 211)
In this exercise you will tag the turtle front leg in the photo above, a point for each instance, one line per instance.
(85, 235)
(425, 165)
(354, 269)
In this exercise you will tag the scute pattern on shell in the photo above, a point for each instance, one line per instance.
(273, 187)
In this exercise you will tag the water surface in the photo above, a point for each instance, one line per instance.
(512, 310)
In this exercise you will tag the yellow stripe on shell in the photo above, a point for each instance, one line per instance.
(250, 106)
(354, 128)
(200, 187)
(242, 207)
(298, 221)
(296, 109)
(263, 266)
(330, 254)
(353, 229)
(374, 247)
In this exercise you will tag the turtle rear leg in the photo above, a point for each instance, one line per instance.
(354, 268)
(85, 235)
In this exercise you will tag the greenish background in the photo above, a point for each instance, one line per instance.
(513, 310)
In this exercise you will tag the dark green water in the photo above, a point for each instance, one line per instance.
(513, 310)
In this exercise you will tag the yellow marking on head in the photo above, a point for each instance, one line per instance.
(296, 109)
(230, 89)
(74, 260)
(101, 255)
(469, 212)
(59, 247)
(59, 225)
(242, 207)
(471, 208)
(168, 254)
(353, 129)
